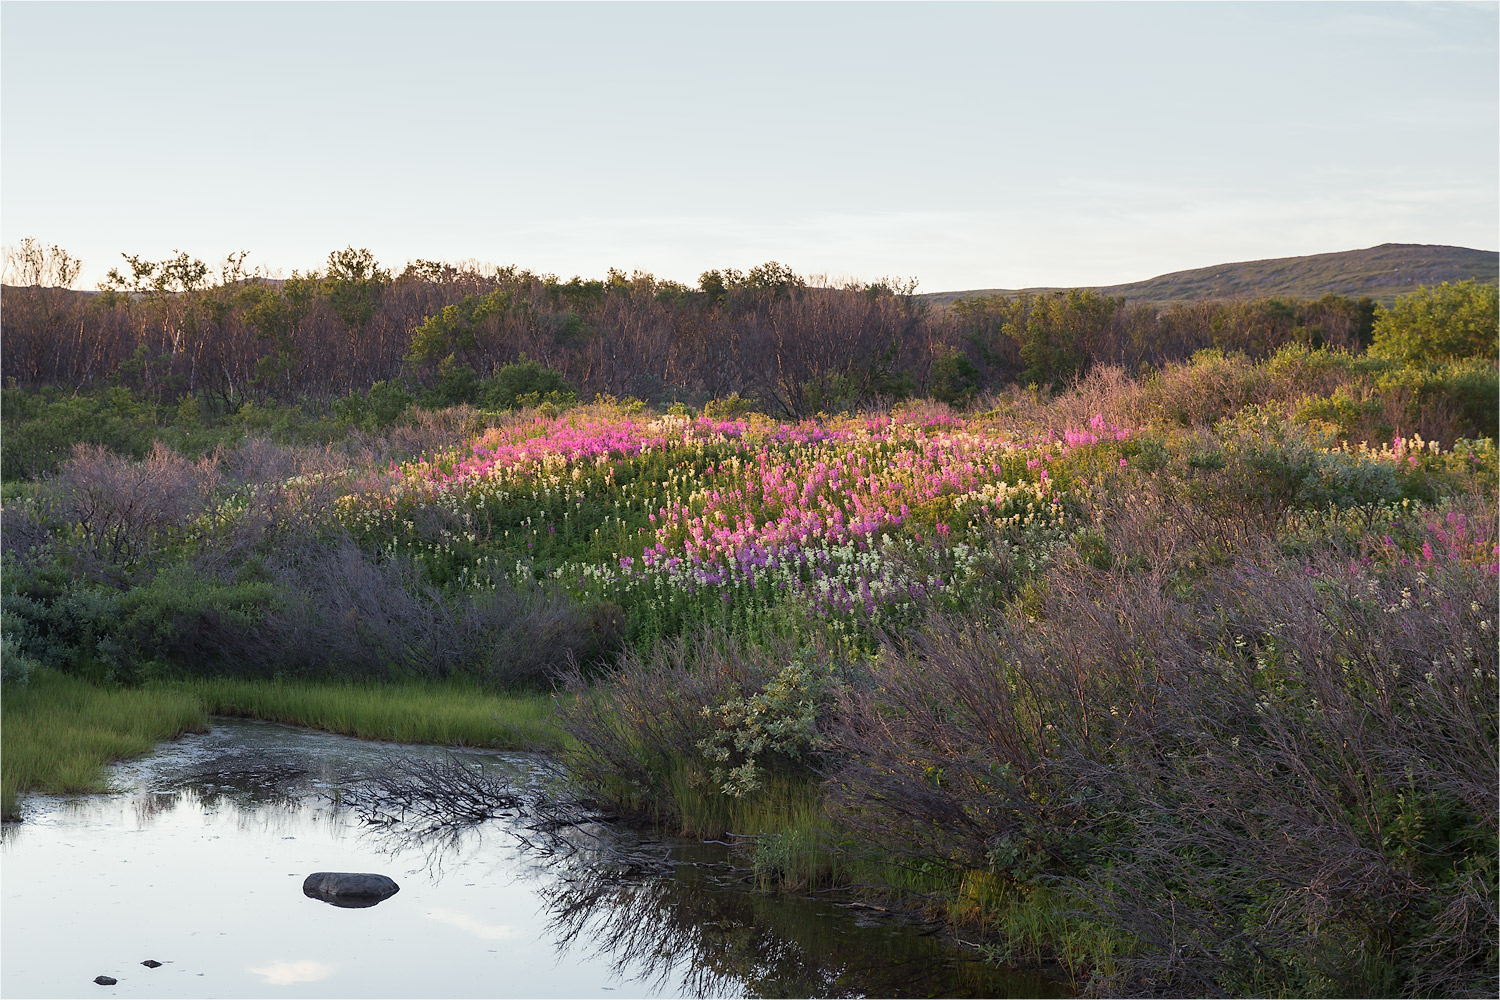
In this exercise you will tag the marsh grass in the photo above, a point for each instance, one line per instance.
(1033, 924)
(60, 732)
(450, 714)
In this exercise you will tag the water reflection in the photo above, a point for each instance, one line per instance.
(281, 973)
(469, 925)
(200, 862)
(701, 933)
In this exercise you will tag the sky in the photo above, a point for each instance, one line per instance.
(968, 145)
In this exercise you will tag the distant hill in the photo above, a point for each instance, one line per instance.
(1382, 273)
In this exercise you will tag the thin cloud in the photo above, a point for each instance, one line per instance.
(469, 925)
(303, 970)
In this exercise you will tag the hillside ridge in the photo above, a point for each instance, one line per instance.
(1379, 272)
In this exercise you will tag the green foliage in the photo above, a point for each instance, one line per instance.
(730, 407)
(1468, 387)
(353, 286)
(71, 630)
(277, 315)
(1441, 324)
(1296, 465)
(177, 616)
(457, 383)
(953, 378)
(525, 383)
(376, 409)
(16, 667)
(1052, 334)
(184, 617)
(1055, 331)
(776, 278)
(776, 725)
(713, 286)
(455, 328)
(41, 427)
(157, 279)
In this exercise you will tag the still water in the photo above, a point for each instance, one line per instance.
(198, 862)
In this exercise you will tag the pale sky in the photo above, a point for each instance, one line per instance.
(969, 145)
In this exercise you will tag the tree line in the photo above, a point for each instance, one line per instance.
(173, 328)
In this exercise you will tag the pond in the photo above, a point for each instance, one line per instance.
(198, 863)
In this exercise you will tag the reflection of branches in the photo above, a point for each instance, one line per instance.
(434, 803)
(664, 913)
(637, 926)
(703, 933)
(434, 792)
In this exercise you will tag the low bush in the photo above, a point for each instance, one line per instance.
(664, 734)
(525, 383)
(1283, 780)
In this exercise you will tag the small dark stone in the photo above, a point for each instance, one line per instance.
(151, 963)
(105, 980)
(349, 889)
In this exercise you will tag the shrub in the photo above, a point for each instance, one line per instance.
(15, 666)
(730, 407)
(1445, 323)
(42, 428)
(652, 738)
(525, 382)
(377, 408)
(953, 378)
(122, 509)
(1210, 387)
(1282, 781)
(71, 630)
(778, 723)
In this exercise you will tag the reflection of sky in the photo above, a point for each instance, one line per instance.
(283, 973)
(208, 881)
(469, 925)
(197, 868)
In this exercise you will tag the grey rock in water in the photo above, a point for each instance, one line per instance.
(105, 980)
(350, 889)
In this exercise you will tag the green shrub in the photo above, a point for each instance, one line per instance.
(41, 427)
(375, 409)
(1210, 387)
(1296, 466)
(1441, 324)
(953, 378)
(457, 383)
(526, 382)
(1469, 389)
(730, 407)
(778, 723)
(71, 631)
(183, 617)
(15, 666)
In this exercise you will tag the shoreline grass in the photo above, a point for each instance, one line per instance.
(60, 732)
(448, 714)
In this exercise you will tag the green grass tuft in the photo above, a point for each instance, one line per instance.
(447, 714)
(58, 733)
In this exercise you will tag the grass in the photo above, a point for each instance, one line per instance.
(447, 714)
(58, 733)
(1034, 923)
